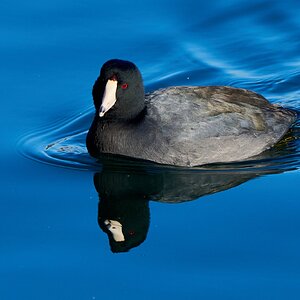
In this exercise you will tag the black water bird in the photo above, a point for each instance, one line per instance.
(180, 126)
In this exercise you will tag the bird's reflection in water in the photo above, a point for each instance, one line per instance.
(125, 189)
(123, 211)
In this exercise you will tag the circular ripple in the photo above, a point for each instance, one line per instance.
(63, 145)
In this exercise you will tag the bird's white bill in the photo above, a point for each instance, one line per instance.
(109, 97)
(115, 228)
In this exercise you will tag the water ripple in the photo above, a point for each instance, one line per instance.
(63, 145)
(253, 46)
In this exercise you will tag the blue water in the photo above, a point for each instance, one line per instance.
(219, 232)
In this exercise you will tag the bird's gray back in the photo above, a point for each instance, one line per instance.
(215, 124)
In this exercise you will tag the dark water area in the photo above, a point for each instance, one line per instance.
(226, 231)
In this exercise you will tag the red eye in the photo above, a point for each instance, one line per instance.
(124, 86)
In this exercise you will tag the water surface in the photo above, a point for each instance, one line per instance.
(219, 232)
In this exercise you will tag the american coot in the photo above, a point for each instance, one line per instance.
(181, 126)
